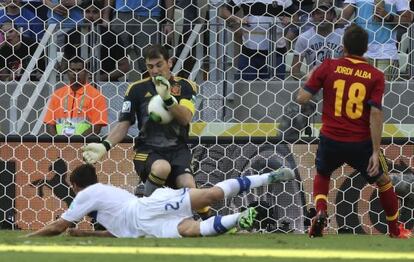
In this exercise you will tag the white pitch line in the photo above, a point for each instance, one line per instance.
(278, 253)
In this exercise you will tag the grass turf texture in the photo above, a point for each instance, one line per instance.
(240, 247)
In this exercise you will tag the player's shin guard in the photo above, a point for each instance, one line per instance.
(218, 224)
(389, 203)
(153, 182)
(320, 191)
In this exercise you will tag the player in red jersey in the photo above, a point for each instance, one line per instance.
(352, 123)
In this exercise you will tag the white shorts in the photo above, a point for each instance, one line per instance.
(164, 210)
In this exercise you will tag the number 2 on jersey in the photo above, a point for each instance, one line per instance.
(354, 102)
(171, 206)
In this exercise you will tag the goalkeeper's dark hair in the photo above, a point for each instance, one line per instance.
(84, 176)
(355, 40)
(156, 51)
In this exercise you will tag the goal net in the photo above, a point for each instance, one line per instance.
(246, 121)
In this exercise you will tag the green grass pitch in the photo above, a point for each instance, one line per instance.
(235, 248)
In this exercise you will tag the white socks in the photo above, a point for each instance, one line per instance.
(218, 224)
(233, 187)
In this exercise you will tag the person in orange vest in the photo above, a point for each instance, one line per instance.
(77, 108)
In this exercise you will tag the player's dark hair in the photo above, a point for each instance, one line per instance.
(84, 175)
(356, 40)
(156, 51)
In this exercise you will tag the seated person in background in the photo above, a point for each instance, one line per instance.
(319, 42)
(15, 54)
(260, 28)
(65, 14)
(303, 20)
(36, 7)
(307, 5)
(380, 19)
(22, 17)
(77, 108)
(113, 62)
(141, 24)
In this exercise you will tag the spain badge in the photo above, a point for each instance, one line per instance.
(176, 89)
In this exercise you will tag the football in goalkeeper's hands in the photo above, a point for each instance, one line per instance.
(158, 112)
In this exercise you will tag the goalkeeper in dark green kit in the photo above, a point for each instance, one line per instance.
(162, 156)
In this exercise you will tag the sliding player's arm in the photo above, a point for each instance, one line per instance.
(88, 233)
(55, 228)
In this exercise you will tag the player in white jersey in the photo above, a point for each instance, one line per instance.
(167, 213)
(319, 42)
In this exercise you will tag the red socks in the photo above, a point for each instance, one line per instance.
(389, 203)
(387, 197)
(320, 192)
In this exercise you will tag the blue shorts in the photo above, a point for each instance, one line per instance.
(333, 154)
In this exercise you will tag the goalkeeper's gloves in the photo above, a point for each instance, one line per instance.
(163, 87)
(94, 152)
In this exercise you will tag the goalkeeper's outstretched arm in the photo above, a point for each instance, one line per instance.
(94, 152)
(118, 133)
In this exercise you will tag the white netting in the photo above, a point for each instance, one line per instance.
(247, 69)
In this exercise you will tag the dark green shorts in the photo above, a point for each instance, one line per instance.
(179, 158)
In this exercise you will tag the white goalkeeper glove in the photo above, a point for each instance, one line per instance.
(94, 152)
(163, 87)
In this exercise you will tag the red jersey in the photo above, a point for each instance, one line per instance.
(350, 87)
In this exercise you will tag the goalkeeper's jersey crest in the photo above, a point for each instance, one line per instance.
(152, 133)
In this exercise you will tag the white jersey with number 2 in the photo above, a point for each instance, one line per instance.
(125, 215)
